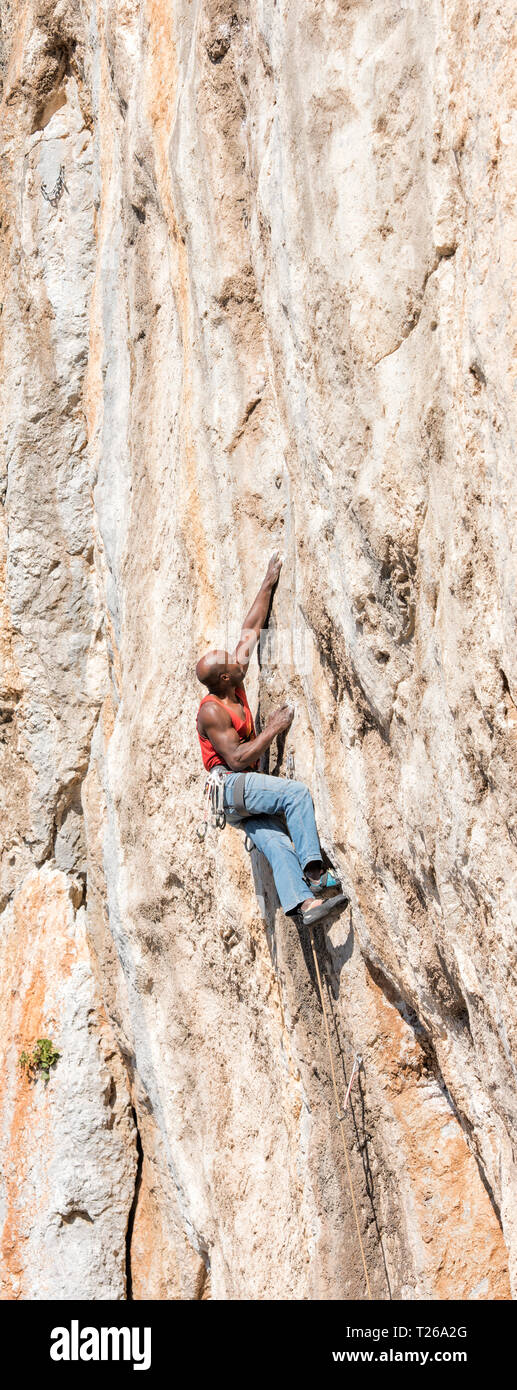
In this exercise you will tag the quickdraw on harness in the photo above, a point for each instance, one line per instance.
(213, 803)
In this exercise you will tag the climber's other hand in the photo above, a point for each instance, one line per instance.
(281, 719)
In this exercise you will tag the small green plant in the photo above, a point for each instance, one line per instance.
(38, 1062)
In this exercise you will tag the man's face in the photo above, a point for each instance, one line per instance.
(235, 671)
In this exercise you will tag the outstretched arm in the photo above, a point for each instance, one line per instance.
(255, 619)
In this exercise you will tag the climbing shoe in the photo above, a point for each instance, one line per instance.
(314, 914)
(325, 880)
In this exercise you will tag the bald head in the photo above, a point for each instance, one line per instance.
(219, 672)
(211, 667)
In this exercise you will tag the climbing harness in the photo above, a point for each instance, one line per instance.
(213, 801)
(213, 798)
(341, 1114)
(239, 803)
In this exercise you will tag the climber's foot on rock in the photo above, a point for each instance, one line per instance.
(325, 879)
(310, 902)
(319, 878)
(313, 909)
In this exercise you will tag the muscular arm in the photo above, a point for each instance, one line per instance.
(218, 727)
(255, 619)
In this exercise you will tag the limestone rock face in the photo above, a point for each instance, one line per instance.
(69, 1155)
(257, 290)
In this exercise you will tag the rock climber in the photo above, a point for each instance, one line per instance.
(257, 802)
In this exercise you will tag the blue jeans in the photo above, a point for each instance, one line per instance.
(288, 854)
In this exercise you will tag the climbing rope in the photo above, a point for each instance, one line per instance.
(340, 1115)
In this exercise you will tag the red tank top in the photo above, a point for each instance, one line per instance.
(245, 729)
